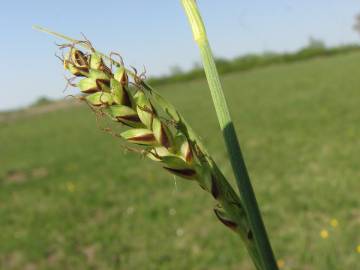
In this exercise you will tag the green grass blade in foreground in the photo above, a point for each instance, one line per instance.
(232, 144)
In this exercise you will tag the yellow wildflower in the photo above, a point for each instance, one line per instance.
(280, 263)
(70, 187)
(358, 249)
(324, 234)
(334, 223)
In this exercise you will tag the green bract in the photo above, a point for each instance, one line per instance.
(121, 76)
(140, 136)
(95, 61)
(88, 85)
(144, 109)
(126, 115)
(100, 98)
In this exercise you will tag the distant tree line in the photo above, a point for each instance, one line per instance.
(357, 23)
(315, 48)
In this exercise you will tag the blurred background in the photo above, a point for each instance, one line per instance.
(70, 198)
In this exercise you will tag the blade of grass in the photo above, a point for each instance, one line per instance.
(231, 140)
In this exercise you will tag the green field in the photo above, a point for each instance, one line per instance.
(70, 198)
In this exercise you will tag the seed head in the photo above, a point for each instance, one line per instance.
(152, 125)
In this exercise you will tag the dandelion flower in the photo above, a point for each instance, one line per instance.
(280, 263)
(358, 249)
(70, 187)
(334, 223)
(324, 234)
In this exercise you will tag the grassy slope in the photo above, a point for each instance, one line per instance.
(75, 201)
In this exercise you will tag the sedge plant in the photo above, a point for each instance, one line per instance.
(154, 128)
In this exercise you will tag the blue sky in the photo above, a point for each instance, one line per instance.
(155, 34)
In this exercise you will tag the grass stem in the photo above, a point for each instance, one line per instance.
(237, 161)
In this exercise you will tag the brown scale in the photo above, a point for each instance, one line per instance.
(164, 138)
(91, 90)
(106, 82)
(80, 59)
(186, 173)
(188, 155)
(228, 223)
(81, 69)
(124, 80)
(214, 188)
(147, 138)
(126, 98)
(105, 69)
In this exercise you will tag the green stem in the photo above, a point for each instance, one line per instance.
(232, 143)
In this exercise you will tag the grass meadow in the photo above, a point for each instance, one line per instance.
(71, 198)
